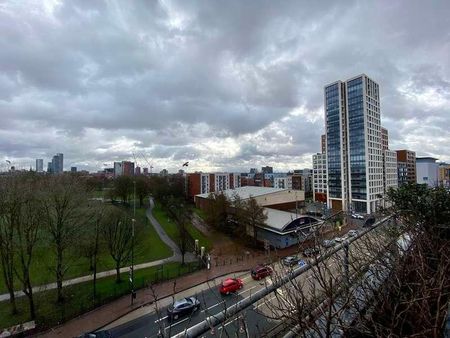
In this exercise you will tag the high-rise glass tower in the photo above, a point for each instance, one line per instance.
(354, 151)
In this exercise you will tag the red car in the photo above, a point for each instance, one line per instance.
(230, 285)
(261, 271)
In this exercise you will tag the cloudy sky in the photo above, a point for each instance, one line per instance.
(225, 85)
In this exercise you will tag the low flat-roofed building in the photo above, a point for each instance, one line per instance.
(282, 228)
(283, 199)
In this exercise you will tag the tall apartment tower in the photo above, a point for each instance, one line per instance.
(58, 163)
(354, 150)
(39, 165)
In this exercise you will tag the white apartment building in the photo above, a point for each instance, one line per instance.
(221, 181)
(390, 172)
(284, 182)
(354, 151)
(319, 174)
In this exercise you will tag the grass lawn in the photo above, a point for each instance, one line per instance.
(79, 298)
(149, 247)
(171, 228)
(200, 213)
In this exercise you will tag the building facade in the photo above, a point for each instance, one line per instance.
(127, 168)
(320, 177)
(39, 165)
(390, 171)
(118, 169)
(444, 175)
(354, 146)
(427, 171)
(205, 183)
(282, 182)
(58, 163)
(406, 166)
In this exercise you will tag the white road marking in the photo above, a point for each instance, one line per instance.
(213, 306)
(174, 324)
(265, 301)
(160, 319)
(246, 278)
(240, 293)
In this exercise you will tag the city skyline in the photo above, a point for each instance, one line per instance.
(167, 83)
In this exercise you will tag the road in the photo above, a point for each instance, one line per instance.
(253, 322)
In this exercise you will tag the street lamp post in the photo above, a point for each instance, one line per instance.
(133, 221)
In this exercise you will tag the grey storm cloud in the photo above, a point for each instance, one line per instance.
(218, 83)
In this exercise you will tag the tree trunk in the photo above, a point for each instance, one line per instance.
(12, 301)
(59, 276)
(29, 293)
(118, 280)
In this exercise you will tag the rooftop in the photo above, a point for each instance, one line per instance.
(246, 192)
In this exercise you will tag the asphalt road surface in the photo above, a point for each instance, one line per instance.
(151, 321)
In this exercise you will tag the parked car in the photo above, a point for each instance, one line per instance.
(261, 271)
(369, 222)
(357, 216)
(230, 285)
(309, 252)
(182, 307)
(96, 334)
(352, 233)
(328, 243)
(339, 239)
(290, 260)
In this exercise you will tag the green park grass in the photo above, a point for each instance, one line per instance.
(149, 247)
(79, 297)
(172, 231)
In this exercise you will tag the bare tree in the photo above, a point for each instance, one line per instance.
(118, 235)
(63, 199)
(10, 203)
(27, 236)
(181, 214)
(254, 217)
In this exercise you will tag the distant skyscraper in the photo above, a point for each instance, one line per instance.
(137, 171)
(145, 170)
(267, 170)
(58, 163)
(39, 165)
(73, 169)
(127, 168)
(354, 150)
(118, 169)
(49, 167)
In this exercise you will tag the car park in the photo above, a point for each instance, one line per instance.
(261, 271)
(290, 260)
(230, 285)
(310, 252)
(328, 243)
(352, 233)
(182, 307)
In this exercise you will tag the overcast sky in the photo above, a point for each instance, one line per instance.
(225, 85)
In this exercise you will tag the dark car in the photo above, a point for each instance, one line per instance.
(290, 260)
(183, 307)
(328, 243)
(369, 222)
(261, 271)
(97, 334)
(230, 285)
(309, 252)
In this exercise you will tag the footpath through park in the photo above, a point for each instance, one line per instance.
(176, 257)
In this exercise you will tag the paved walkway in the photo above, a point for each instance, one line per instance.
(176, 257)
